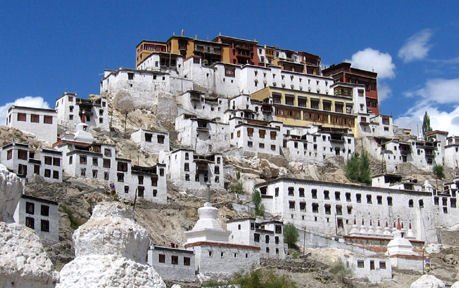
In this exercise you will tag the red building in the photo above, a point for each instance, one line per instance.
(241, 51)
(344, 73)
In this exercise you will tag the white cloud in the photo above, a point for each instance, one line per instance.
(433, 97)
(442, 91)
(28, 101)
(416, 47)
(384, 91)
(374, 60)
(439, 120)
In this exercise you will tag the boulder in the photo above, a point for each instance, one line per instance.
(10, 193)
(428, 281)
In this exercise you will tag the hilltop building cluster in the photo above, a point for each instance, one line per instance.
(237, 97)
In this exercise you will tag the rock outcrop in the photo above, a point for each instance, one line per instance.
(10, 193)
(23, 261)
(455, 285)
(428, 281)
(110, 251)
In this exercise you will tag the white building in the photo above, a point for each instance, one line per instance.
(38, 214)
(149, 183)
(72, 110)
(331, 208)
(373, 268)
(201, 134)
(401, 253)
(314, 144)
(452, 152)
(268, 235)
(215, 256)
(37, 121)
(151, 141)
(141, 88)
(189, 170)
(173, 264)
(255, 136)
(202, 104)
(27, 162)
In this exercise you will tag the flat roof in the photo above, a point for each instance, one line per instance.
(31, 109)
(39, 199)
(170, 249)
(343, 185)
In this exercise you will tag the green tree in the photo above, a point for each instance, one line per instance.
(259, 207)
(358, 168)
(291, 235)
(426, 125)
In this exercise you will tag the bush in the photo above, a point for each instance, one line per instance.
(259, 208)
(340, 271)
(257, 279)
(291, 235)
(237, 187)
(358, 168)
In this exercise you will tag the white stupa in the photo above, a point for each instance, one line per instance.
(207, 228)
(399, 245)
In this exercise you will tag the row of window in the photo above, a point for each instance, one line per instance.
(361, 264)
(35, 118)
(30, 209)
(174, 260)
(30, 222)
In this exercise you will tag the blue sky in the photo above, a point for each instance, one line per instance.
(47, 47)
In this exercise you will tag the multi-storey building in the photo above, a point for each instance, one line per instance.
(72, 110)
(26, 161)
(268, 235)
(151, 141)
(301, 108)
(190, 170)
(37, 121)
(201, 134)
(332, 208)
(451, 154)
(343, 72)
(203, 105)
(38, 214)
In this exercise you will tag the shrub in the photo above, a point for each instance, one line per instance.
(291, 235)
(259, 208)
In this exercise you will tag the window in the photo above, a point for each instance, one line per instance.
(35, 118)
(126, 189)
(327, 209)
(210, 253)
(83, 159)
(107, 152)
(314, 193)
(302, 206)
(22, 117)
(291, 205)
(48, 119)
(106, 176)
(326, 195)
(315, 208)
(140, 179)
(55, 174)
(276, 192)
(30, 222)
(186, 156)
(358, 198)
(186, 261)
(95, 161)
(250, 144)
(48, 160)
(389, 201)
(256, 237)
(154, 181)
(174, 260)
(348, 197)
(160, 139)
(369, 201)
(186, 167)
(44, 225)
(130, 76)
(9, 154)
(30, 208)
(372, 265)
(266, 239)
(82, 172)
(337, 196)
(291, 191)
(94, 174)
(301, 192)
(140, 191)
(360, 264)
(120, 177)
(382, 265)
(162, 258)
(421, 203)
(379, 199)
(410, 203)
(56, 161)
(22, 154)
(107, 163)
